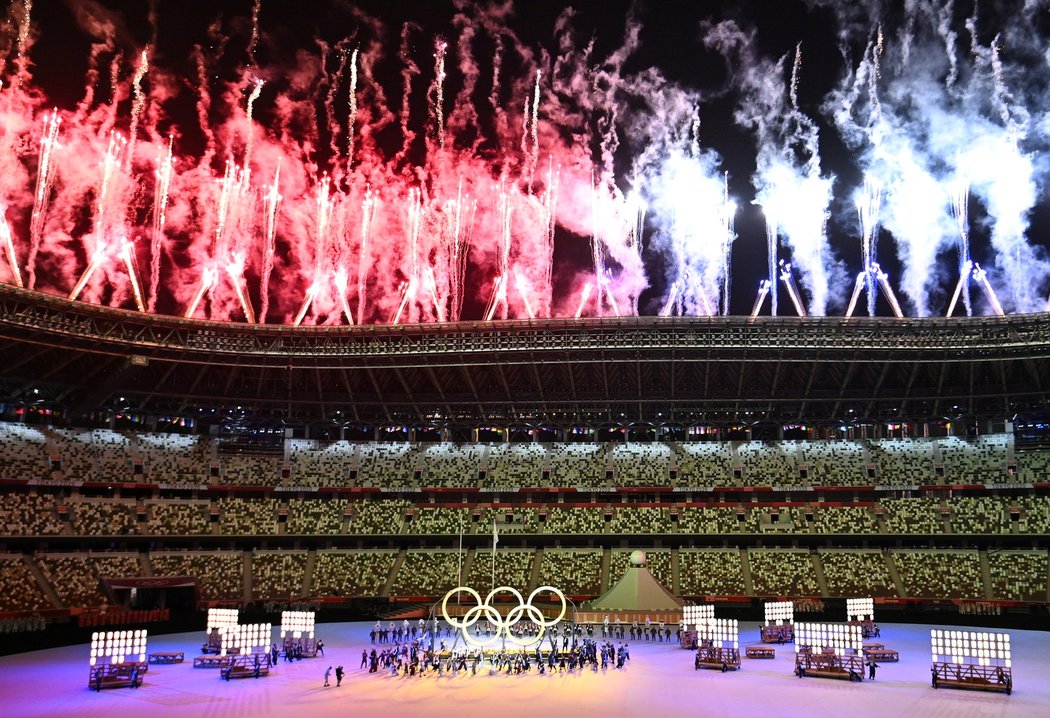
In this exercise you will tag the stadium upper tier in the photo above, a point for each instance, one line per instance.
(43, 454)
(78, 356)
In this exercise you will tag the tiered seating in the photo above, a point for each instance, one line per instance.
(426, 573)
(710, 572)
(76, 577)
(912, 516)
(103, 518)
(220, 574)
(855, 574)
(378, 517)
(73, 449)
(900, 462)
(1035, 514)
(640, 520)
(767, 464)
(510, 520)
(23, 452)
(244, 517)
(176, 459)
(1033, 467)
(513, 568)
(974, 461)
(250, 470)
(178, 518)
(705, 464)
(716, 520)
(576, 573)
(313, 463)
(783, 572)
(315, 516)
(351, 573)
(843, 520)
(577, 465)
(834, 463)
(441, 520)
(389, 464)
(448, 464)
(979, 515)
(19, 590)
(940, 574)
(278, 574)
(28, 515)
(565, 520)
(516, 465)
(1018, 575)
(658, 563)
(113, 455)
(638, 464)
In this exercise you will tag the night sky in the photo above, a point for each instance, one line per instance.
(624, 135)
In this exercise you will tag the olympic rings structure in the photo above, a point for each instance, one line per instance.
(503, 624)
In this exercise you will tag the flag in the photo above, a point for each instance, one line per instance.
(495, 534)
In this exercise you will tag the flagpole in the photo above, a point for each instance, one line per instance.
(495, 540)
(460, 572)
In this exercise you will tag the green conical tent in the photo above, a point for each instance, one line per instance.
(636, 591)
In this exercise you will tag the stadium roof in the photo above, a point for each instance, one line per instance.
(688, 370)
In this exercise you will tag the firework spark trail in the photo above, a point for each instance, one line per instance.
(22, 47)
(368, 214)
(9, 246)
(409, 70)
(161, 187)
(249, 126)
(960, 203)
(869, 203)
(771, 257)
(271, 205)
(42, 196)
(351, 119)
(438, 91)
(253, 40)
(138, 102)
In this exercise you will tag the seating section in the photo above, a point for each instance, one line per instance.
(768, 463)
(566, 520)
(842, 520)
(512, 568)
(76, 578)
(278, 574)
(834, 463)
(856, 574)
(250, 470)
(901, 462)
(28, 515)
(220, 574)
(576, 573)
(176, 459)
(979, 515)
(1018, 575)
(638, 464)
(717, 520)
(974, 461)
(940, 574)
(378, 517)
(705, 464)
(23, 452)
(447, 520)
(783, 572)
(103, 518)
(450, 465)
(578, 465)
(912, 516)
(351, 573)
(640, 520)
(427, 573)
(246, 517)
(19, 590)
(178, 518)
(390, 464)
(313, 463)
(516, 465)
(315, 516)
(711, 572)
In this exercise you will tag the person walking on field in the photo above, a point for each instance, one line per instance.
(327, 675)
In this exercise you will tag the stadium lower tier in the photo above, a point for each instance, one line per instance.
(56, 581)
(69, 512)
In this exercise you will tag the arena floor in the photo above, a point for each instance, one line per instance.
(658, 681)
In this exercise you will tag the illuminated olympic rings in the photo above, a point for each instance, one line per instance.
(502, 624)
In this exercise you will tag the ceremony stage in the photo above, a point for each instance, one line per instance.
(658, 681)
